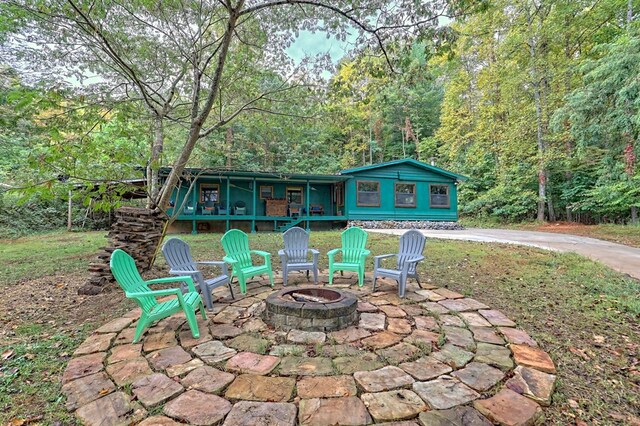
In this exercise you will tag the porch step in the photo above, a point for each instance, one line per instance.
(289, 224)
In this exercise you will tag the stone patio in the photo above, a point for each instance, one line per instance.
(432, 358)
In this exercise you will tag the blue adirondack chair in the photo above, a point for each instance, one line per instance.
(353, 252)
(295, 256)
(410, 253)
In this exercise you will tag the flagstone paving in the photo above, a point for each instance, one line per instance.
(434, 357)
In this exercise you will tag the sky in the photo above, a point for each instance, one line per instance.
(312, 44)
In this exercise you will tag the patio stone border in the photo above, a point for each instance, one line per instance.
(435, 357)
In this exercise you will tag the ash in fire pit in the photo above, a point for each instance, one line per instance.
(311, 309)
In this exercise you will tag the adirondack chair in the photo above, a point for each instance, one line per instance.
(294, 257)
(178, 256)
(410, 253)
(236, 246)
(189, 208)
(208, 208)
(353, 252)
(124, 270)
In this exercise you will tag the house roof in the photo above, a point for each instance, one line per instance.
(203, 173)
(409, 161)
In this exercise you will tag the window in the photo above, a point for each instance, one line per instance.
(405, 194)
(266, 192)
(368, 193)
(439, 196)
(294, 195)
(209, 193)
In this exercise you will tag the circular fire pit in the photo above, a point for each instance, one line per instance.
(311, 309)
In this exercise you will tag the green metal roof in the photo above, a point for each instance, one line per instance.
(204, 173)
(410, 161)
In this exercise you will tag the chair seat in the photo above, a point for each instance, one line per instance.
(192, 299)
(251, 271)
(346, 265)
(217, 281)
(388, 272)
(300, 265)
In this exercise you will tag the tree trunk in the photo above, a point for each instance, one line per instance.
(154, 161)
(198, 122)
(228, 139)
(634, 215)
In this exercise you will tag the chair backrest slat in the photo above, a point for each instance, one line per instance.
(178, 255)
(296, 244)
(354, 241)
(124, 270)
(236, 245)
(412, 245)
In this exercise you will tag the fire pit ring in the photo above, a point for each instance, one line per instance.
(311, 309)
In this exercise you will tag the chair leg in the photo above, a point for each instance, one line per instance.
(375, 277)
(307, 275)
(142, 324)
(202, 311)
(243, 284)
(193, 322)
(361, 277)
(285, 273)
(231, 289)
(206, 296)
(330, 274)
(315, 274)
(271, 277)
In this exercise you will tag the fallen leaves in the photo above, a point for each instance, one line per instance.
(7, 354)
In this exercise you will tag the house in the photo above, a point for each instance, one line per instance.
(218, 200)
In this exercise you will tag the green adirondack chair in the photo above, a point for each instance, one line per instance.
(236, 246)
(353, 252)
(124, 270)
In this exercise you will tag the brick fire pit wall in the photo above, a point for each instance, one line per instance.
(285, 313)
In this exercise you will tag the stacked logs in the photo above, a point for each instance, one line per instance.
(138, 232)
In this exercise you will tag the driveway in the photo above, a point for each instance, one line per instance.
(617, 256)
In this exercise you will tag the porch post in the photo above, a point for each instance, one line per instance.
(228, 201)
(194, 203)
(253, 209)
(307, 204)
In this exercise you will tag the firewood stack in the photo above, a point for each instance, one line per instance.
(138, 232)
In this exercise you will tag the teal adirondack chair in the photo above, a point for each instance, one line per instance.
(124, 270)
(353, 252)
(236, 246)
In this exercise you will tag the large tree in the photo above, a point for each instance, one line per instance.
(194, 65)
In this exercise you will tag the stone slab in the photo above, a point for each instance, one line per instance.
(95, 343)
(426, 368)
(460, 337)
(207, 379)
(382, 340)
(86, 389)
(457, 416)
(399, 353)
(306, 366)
(261, 388)
(198, 408)
(496, 318)
(399, 326)
(155, 389)
(509, 408)
(83, 366)
(533, 357)
(252, 363)
(518, 337)
(112, 409)
(426, 323)
(182, 369)
(372, 322)
(247, 413)
(474, 319)
(365, 361)
(384, 379)
(168, 357)
(487, 335)
(399, 404)
(533, 384)
(495, 355)
(349, 334)
(124, 352)
(213, 352)
(393, 311)
(462, 305)
(326, 387)
(306, 337)
(224, 331)
(444, 392)
(116, 325)
(479, 376)
(333, 411)
(157, 341)
(127, 372)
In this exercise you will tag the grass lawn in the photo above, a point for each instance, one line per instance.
(586, 316)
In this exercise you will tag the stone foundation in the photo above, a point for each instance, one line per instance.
(406, 224)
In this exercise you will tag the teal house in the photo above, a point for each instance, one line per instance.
(218, 200)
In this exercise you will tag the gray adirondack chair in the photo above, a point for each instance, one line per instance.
(411, 247)
(294, 257)
(178, 256)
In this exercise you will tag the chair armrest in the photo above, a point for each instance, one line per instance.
(230, 260)
(184, 278)
(331, 254)
(164, 292)
(316, 255)
(264, 254)
(182, 272)
(220, 264)
(283, 256)
(414, 259)
(365, 253)
(377, 259)
(314, 251)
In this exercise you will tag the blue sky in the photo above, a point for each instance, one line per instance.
(313, 44)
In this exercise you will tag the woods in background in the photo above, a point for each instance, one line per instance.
(537, 102)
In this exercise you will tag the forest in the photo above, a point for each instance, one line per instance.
(536, 102)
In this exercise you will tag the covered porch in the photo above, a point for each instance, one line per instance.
(257, 201)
